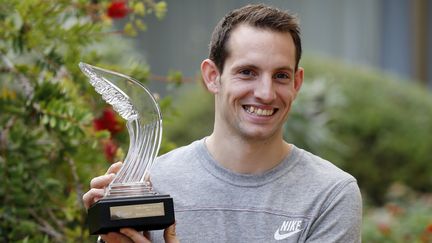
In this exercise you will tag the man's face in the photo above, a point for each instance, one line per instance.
(258, 83)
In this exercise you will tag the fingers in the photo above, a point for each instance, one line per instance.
(101, 181)
(147, 234)
(114, 237)
(131, 235)
(92, 196)
(98, 184)
(96, 191)
(170, 234)
(134, 235)
(114, 168)
(147, 180)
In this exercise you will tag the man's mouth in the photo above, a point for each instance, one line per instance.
(259, 111)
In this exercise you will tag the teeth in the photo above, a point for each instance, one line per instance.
(258, 111)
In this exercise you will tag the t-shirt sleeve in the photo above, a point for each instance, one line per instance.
(340, 219)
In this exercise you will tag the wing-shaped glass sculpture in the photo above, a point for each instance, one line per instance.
(134, 103)
(129, 200)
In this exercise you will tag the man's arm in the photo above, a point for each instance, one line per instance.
(341, 219)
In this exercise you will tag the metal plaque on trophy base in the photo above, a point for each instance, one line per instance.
(129, 200)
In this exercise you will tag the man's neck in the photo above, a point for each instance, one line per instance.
(245, 156)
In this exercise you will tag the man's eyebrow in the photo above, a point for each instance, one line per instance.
(240, 67)
(252, 66)
(243, 66)
(290, 69)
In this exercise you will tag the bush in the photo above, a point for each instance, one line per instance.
(49, 148)
(195, 116)
(406, 217)
(378, 126)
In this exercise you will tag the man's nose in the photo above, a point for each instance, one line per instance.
(265, 90)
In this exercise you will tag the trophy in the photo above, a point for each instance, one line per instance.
(129, 200)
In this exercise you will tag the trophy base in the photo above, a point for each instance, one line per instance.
(141, 213)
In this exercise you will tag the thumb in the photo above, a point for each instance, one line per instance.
(170, 234)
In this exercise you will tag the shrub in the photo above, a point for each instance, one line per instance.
(48, 147)
(376, 127)
(195, 116)
(406, 217)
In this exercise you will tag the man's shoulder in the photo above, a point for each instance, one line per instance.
(178, 155)
(182, 150)
(325, 182)
(320, 169)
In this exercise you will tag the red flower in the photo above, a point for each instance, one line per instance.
(110, 149)
(384, 228)
(429, 228)
(394, 209)
(427, 234)
(117, 9)
(108, 121)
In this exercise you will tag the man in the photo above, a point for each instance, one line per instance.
(244, 183)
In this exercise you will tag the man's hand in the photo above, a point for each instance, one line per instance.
(129, 235)
(137, 237)
(97, 191)
(98, 184)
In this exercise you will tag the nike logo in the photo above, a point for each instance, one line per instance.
(289, 227)
(279, 236)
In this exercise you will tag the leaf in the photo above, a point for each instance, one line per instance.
(130, 30)
(140, 25)
(139, 9)
(160, 9)
(45, 119)
(52, 122)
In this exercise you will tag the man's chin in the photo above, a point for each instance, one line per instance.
(259, 134)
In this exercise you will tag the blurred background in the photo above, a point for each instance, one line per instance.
(390, 35)
(366, 104)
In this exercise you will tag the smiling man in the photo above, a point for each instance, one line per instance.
(244, 182)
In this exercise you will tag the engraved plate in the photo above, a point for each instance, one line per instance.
(137, 211)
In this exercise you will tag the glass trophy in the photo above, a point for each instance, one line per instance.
(129, 200)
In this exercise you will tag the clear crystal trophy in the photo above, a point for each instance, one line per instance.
(129, 200)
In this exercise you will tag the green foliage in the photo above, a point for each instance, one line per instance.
(195, 116)
(376, 127)
(49, 148)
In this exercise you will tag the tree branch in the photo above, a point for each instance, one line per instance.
(44, 226)
(78, 186)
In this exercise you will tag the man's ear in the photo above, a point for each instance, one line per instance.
(210, 75)
(298, 79)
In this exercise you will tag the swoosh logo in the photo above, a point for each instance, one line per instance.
(279, 236)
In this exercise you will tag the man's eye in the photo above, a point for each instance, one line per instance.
(246, 72)
(281, 76)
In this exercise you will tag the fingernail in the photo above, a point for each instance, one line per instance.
(124, 231)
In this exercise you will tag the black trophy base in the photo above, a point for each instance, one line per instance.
(141, 213)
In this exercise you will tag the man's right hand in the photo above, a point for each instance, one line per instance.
(98, 184)
(97, 191)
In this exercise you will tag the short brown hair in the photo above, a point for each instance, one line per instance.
(256, 15)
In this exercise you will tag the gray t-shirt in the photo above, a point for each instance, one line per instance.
(303, 199)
